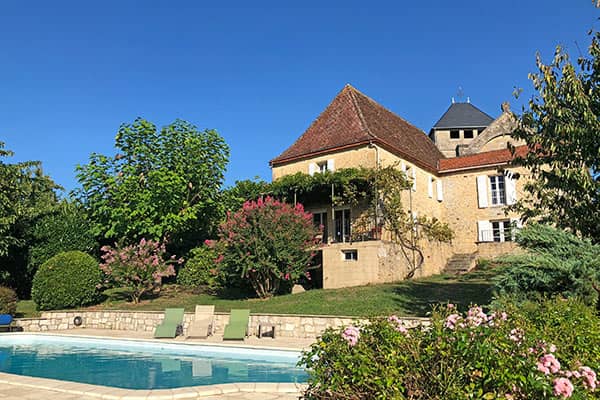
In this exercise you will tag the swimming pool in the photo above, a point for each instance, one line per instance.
(143, 364)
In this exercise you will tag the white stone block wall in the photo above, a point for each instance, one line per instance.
(294, 326)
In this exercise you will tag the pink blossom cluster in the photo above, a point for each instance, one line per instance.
(548, 364)
(475, 317)
(141, 260)
(398, 324)
(563, 387)
(452, 321)
(516, 335)
(351, 335)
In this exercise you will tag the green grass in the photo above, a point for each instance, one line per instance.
(408, 298)
(26, 309)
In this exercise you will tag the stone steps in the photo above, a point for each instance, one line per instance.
(460, 263)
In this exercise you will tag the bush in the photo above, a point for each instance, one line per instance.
(67, 280)
(65, 229)
(267, 243)
(138, 268)
(8, 301)
(200, 269)
(506, 354)
(556, 263)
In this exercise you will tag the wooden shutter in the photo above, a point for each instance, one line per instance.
(484, 231)
(440, 193)
(430, 187)
(482, 191)
(312, 168)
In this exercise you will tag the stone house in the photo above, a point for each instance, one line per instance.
(459, 175)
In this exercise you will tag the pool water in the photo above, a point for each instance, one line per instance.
(143, 365)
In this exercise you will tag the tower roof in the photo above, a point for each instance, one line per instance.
(353, 119)
(463, 115)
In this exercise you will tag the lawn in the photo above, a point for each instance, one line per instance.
(408, 298)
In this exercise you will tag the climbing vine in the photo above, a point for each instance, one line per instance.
(386, 190)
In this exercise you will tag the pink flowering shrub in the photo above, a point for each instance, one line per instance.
(267, 244)
(139, 268)
(509, 353)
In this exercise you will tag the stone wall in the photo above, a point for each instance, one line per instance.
(297, 326)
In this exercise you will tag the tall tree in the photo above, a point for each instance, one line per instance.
(234, 197)
(26, 194)
(162, 184)
(562, 130)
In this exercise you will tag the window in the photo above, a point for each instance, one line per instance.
(350, 255)
(342, 225)
(322, 167)
(455, 134)
(498, 190)
(320, 221)
(501, 231)
(468, 133)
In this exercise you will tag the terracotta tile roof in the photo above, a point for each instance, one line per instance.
(478, 160)
(353, 119)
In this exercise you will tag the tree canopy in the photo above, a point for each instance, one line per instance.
(26, 194)
(162, 184)
(562, 130)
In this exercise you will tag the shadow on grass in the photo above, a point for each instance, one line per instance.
(421, 297)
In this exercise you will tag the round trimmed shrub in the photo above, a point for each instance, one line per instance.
(67, 280)
(8, 301)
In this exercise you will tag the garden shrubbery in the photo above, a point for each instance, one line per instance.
(139, 268)
(267, 244)
(556, 262)
(8, 301)
(537, 351)
(200, 270)
(67, 280)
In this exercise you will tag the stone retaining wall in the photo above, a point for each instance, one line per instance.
(296, 326)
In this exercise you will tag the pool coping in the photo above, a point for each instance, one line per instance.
(108, 392)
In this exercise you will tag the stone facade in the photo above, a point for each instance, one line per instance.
(293, 326)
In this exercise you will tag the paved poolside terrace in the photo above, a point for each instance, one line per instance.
(25, 387)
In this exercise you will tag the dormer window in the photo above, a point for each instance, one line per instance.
(455, 134)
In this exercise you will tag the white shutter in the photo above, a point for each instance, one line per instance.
(312, 168)
(515, 225)
(430, 187)
(511, 188)
(403, 166)
(414, 179)
(484, 231)
(330, 165)
(440, 193)
(482, 191)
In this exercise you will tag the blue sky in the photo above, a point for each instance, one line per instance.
(259, 72)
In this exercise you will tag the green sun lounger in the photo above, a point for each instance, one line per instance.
(238, 325)
(168, 328)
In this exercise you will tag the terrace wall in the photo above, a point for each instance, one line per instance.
(296, 326)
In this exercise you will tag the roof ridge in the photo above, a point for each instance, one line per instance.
(379, 105)
(353, 91)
